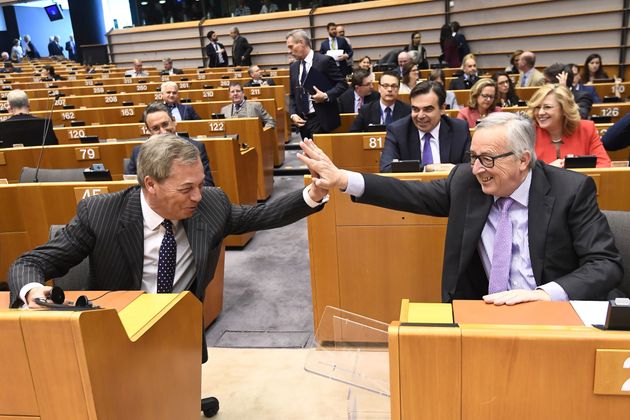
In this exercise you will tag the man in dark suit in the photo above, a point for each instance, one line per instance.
(170, 97)
(316, 83)
(159, 120)
(257, 80)
(361, 92)
(71, 47)
(215, 51)
(334, 42)
(54, 49)
(384, 111)
(241, 50)
(563, 74)
(20, 110)
(168, 67)
(469, 77)
(448, 138)
(518, 230)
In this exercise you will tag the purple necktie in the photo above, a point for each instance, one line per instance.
(167, 259)
(427, 154)
(502, 255)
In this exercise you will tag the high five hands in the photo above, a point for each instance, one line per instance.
(325, 174)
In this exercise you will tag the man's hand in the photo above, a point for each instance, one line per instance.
(562, 79)
(325, 174)
(319, 96)
(297, 120)
(343, 57)
(42, 292)
(512, 297)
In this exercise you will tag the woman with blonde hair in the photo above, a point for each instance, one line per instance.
(559, 130)
(483, 100)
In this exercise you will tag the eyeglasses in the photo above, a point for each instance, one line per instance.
(487, 96)
(545, 108)
(386, 86)
(487, 161)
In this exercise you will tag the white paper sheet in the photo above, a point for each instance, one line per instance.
(591, 312)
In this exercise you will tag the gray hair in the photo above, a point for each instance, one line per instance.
(17, 99)
(235, 30)
(167, 60)
(520, 133)
(300, 34)
(165, 85)
(157, 155)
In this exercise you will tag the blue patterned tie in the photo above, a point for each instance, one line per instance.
(427, 154)
(167, 259)
(502, 255)
(389, 118)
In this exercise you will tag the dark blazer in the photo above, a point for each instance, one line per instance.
(54, 49)
(175, 71)
(213, 57)
(618, 136)
(463, 84)
(33, 53)
(346, 100)
(71, 51)
(584, 101)
(109, 229)
(462, 45)
(241, 48)
(51, 137)
(187, 112)
(569, 238)
(269, 82)
(403, 142)
(324, 74)
(208, 181)
(588, 89)
(371, 114)
(341, 44)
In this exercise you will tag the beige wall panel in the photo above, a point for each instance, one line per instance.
(559, 42)
(157, 45)
(366, 15)
(155, 35)
(610, 20)
(467, 12)
(544, 59)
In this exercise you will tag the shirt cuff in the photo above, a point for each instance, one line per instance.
(309, 201)
(555, 291)
(356, 184)
(27, 288)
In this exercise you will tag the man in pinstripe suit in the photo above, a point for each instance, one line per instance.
(122, 232)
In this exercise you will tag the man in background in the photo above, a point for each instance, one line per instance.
(215, 51)
(336, 43)
(384, 111)
(241, 108)
(168, 67)
(71, 48)
(241, 50)
(361, 92)
(138, 70)
(179, 111)
(469, 76)
(257, 80)
(528, 75)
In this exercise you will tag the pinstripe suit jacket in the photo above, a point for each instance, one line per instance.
(109, 229)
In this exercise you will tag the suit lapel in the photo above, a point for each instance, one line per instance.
(539, 211)
(131, 237)
(445, 143)
(413, 139)
(198, 239)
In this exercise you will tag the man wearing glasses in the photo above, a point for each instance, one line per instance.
(361, 92)
(433, 139)
(385, 111)
(518, 230)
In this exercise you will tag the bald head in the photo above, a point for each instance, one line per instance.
(526, 61)
(403, 58)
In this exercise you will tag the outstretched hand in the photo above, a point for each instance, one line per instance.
(325, 174)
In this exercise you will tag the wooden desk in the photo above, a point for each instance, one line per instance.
(62, 365)
(365, 259)
(495, 372)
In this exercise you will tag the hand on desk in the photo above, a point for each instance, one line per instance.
(42, 292)
(512, 297)
(325, 174)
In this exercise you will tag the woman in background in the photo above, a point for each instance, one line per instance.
(416, 45)
(450, 55)
(483, 100)
(506, 94)
(410, 77)
(559, 130)
(437, 75)
(593, 69)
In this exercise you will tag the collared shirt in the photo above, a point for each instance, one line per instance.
(309, 63)
(175, 112)
(435, 142)
(525, 77)
(237, 108)
(153, 234)
(358, 101)
(216, 49)
(521, 273)
(383, 106)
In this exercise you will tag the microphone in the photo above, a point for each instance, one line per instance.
(47, 124)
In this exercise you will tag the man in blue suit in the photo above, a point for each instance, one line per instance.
(448, 138)
(170, 97)
(334, 42)
(316, 83)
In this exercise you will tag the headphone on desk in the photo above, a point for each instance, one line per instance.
(56, 300)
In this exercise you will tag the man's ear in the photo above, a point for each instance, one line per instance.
(149, 184)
